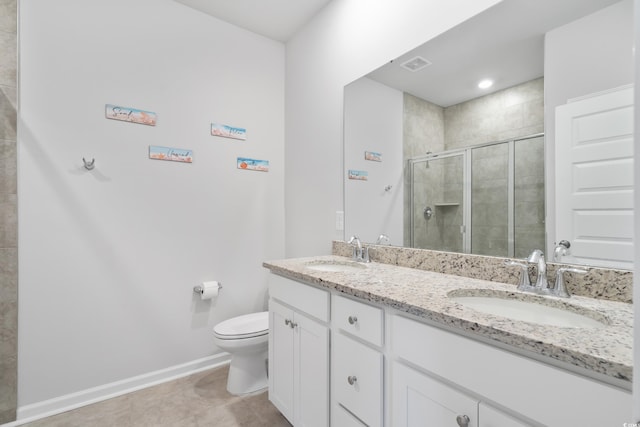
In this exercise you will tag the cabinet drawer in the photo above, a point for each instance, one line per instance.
(361, 320)
(305, 298)
(342, 418)
(357, 379)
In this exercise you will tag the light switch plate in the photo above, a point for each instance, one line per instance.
(340, 220)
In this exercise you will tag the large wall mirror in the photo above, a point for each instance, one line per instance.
(436, 160)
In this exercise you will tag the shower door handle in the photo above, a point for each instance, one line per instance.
(428, 212)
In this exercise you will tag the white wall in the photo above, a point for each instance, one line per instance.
(373, 122)
(348, 39)
(108, 258)
(589, 55)
(636, 231)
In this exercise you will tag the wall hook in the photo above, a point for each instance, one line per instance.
(387, 188)
(89, 165)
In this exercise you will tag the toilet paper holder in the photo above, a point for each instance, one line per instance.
(198, 289)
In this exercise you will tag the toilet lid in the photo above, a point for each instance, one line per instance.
(249, 325)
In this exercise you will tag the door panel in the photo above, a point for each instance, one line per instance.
(594, 179)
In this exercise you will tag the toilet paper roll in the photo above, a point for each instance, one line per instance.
(209, 290)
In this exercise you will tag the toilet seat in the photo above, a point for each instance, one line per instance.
(242, 327)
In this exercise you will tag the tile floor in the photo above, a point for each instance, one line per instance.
(197, 400)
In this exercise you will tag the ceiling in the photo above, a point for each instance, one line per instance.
(275, 19)
(505, 43)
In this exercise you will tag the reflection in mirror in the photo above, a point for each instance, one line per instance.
(467, 169)
(486, 199)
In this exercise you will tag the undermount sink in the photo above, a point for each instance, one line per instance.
(335, 266)
(528, 308)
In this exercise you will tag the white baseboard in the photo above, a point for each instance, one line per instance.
(35, 411)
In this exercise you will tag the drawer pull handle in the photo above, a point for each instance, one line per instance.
(463, 420)
(351, 379)
(353, 320)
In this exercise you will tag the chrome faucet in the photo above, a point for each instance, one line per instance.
(357, 248)
(561, 249)
(537, 256)
(383, 238)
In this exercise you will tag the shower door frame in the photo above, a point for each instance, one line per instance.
(467, 228)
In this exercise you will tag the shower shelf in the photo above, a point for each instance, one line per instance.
(445, 205)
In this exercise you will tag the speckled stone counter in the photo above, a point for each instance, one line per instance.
(605, 351)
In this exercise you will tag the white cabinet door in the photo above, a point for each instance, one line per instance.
(311, 372)
(298, 366)
(491, 417)
(281, 351)
(418, 400)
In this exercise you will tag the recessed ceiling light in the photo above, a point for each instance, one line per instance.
(485, 84)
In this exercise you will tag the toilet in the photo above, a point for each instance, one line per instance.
(246, 339)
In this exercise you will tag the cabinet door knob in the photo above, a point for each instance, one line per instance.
(463, 420)
(287, 322)
(353, 320)
(351, 379)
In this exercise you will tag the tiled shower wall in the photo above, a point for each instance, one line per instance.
(8, 211)
(422, 132)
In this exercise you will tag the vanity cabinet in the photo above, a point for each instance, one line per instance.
(299, 352)
(338, 361)
(534, 392)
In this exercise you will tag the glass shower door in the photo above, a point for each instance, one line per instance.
(437, 199)
(490, 200)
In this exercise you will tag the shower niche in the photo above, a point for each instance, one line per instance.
(485, 199)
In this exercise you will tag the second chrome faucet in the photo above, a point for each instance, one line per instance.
(541, 285)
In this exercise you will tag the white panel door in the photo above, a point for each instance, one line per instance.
(594, 179)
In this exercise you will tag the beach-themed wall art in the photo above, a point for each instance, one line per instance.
(372, 156)
(358, 175)
(228, 131)
(253, 164)
(132, 115)
(170, 154)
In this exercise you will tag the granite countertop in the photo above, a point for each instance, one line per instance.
(606, 350)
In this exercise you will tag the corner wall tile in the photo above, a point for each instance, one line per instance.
(8, 221)
(9, 16)
(8, 59)
(8, 118)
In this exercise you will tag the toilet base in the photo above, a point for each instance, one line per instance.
(247, 373)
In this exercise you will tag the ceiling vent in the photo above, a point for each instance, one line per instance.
(415, 64)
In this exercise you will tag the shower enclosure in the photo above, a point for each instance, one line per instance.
(486, 199)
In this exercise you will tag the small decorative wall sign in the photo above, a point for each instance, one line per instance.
(228, 131)
(358, 175)
(253, 164)
(170, 154)
(131, 115)
(372, 156)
